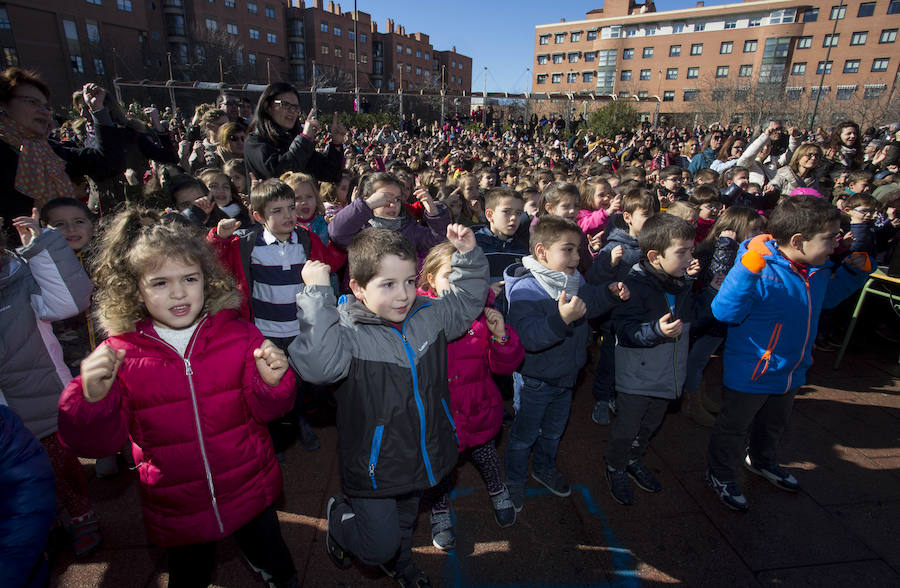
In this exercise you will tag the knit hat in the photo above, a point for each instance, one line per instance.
(805, 192)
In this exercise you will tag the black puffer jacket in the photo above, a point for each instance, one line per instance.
(296, 153)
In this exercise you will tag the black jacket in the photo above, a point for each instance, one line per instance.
(296, 153)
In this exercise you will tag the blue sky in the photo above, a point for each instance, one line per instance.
(497, 34)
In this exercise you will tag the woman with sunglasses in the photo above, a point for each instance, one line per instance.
(276, 144)
(802, 171)
(231, 139)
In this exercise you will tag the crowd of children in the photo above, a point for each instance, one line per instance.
(440, 273)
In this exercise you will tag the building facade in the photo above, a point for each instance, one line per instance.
(731, 62)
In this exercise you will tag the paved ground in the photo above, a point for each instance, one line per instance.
(843, 445)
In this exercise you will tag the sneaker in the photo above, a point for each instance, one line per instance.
(554, 482)
(620, 486)
(85, 534)
(612, 406)
(643, 477)
(336, 553)
(774, 474)
(601, 413)
(308, 438)
(728, 493)
(106, 467)
(504, 509)
(516, 496)
(442, 535)
(411, 577)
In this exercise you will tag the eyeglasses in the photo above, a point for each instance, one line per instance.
(33, 102)
(741, 147)
(237, 138)
(289, 106)
(865, 211)
(712, 207)
(811, 155)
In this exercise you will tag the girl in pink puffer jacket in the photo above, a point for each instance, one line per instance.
(476, 407)
(192, 386)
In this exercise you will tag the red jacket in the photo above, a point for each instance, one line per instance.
(475, 400)
(197, 427)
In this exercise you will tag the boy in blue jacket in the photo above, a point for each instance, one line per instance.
(772, 300)
(549, 306)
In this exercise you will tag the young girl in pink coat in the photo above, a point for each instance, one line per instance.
(489, 346)
(192, 386)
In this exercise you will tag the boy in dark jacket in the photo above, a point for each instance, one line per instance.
(549, 306)
(504, 239)
(388, 349)
(652, 335)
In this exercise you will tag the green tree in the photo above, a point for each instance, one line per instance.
(607, 121)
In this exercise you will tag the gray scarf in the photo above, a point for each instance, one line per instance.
(552, 281)
(386, 223)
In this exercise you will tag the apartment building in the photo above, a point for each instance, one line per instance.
(725, 57)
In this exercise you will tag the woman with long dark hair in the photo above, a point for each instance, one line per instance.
(276, 144)
(844, 148)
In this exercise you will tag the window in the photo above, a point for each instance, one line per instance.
(295, 27)
(631, 31)
(754, 21)
(409, 50)
(837, 12)
(699, 26)
(419, 53)
(232, 29)
(559, 38)
(642, 94)
(873, 91)
(880, 64)
(811, 15)
(211, 24)
(745, 71)
(98, 67)
(576, 37)
(124, 5)
(750, 46)
(363, 58)
(722, 71)
(251, 58)
(625, 75)
(824, 67)
(782, 16)
(297, 51)
(627, 53)
(798, 69)
(677, 28)
(690, 95)
(229, 3)
(726, 47)
(399, 48)
(804, 42)
(336, 31)
(730, 24)
(831, 40)
(77, 63)
(859, 38)
(771, 73)
(70, 30)
(271, 38)
(252, 9)
(674, 50)
(669, 96)
(270, 12)
(572, 78)
(418, 71)
(697, 49)
(338, 52)
(324, 49)
(587, 76)
(866, 9)
(776, 48)
(672, 73)
(693, 72)
(645, 74)
(719, 94)
(557, 58)
(93, 31)
(624, 95)
(793, 93)
(648, 52)
(613, 32)
(543, 59)
(815, 92)
(741, 94)
(573, 57)
(10, 57)
(544, 39)
(254, 33)
(894, 7)
(888, 36)
(96, 2)
(556, 78)
(4, 19)
(650, 30)
(590, 56)
(592, 35)
(845, 92)
(542, 78)
(851, 66)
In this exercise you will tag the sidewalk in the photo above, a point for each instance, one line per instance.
(841, 529)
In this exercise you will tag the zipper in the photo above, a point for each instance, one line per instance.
(189, 372)
(674, 352)
(767, 355)
(806, 339)
(373, 454)
(420, 406)
(450, 418)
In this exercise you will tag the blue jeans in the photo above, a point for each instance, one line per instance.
(698, 357)
(540, 422)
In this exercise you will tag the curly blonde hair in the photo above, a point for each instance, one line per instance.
(139, 240)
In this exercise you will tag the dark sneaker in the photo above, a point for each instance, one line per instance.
(643, 477)
(308, 438)
(516, 496)
(612, 406)
(601, 412)
(728, 493)
(504, 509)
(442, 535)
(554, 482)
(620, 486)
(411, 577)
(336, 553)
(777, 476)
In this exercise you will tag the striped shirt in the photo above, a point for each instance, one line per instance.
(275, 268)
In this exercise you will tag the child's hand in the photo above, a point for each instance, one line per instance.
(858, 261)
(615, 256)
(254, 181)
(98, 371)
(495, 322)
(694, 268)
(595, 242)
(716, 281)
(670, 328)
(28, 227)
(311, 126)
(572, 310)
(620, 291)
(729, 234)
(271, 362)
(461, 237)
(227, 227)
(497, 287)
(379, 198)
(205, 204)
(316, 273)
(423, 196)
